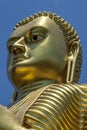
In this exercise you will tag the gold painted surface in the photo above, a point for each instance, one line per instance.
(46, 47)
(60, 107)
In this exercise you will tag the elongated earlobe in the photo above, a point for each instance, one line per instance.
(71, 65)
(70, 69)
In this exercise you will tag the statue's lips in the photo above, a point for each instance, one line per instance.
(16, 60)
(19, 59)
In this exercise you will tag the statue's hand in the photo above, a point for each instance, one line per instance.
(8, 121)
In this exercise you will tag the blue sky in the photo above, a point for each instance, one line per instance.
(12, 11)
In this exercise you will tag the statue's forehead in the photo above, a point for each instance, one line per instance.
(42, 21)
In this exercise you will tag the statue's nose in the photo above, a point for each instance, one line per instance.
(18, 47)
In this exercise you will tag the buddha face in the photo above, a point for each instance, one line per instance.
(37, 51)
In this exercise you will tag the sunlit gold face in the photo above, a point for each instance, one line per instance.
(37, 51)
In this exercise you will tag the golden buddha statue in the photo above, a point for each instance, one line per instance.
(44, 63)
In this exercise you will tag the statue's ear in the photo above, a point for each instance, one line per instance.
(72, 58)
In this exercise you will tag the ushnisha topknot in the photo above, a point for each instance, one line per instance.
(71, 35)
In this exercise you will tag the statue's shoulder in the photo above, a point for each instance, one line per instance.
(84, 85)
(69, 85)
(83, 88)
(69, 88)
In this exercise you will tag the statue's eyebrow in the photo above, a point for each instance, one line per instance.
(39, 29)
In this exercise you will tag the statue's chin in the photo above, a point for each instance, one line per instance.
(21, 76)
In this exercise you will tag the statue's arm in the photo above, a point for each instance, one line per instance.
(8, 121)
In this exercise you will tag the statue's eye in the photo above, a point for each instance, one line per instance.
(36, 37)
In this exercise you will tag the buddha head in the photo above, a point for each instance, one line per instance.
(43, 46)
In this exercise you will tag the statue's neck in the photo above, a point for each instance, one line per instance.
(25, 90)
